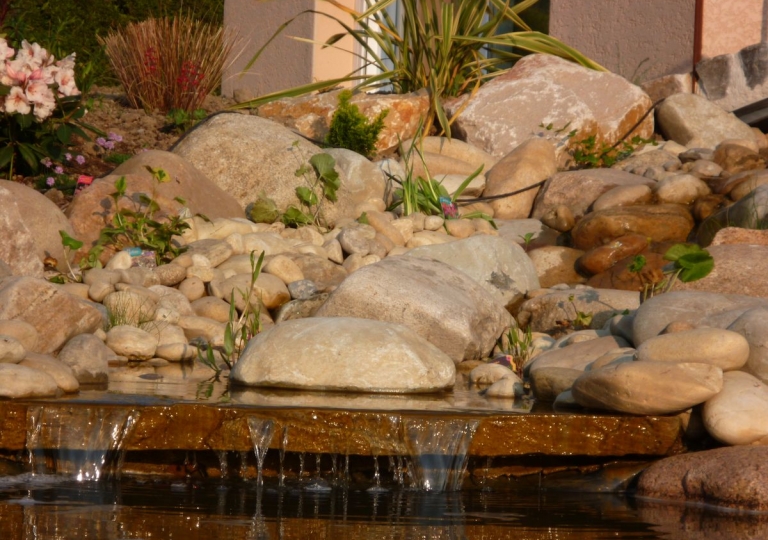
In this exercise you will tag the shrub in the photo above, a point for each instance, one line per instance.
(168, 63)
(352, 130)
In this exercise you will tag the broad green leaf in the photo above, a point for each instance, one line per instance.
(5, 156)
(678, 250)
(64, 133)
(69, 242)
(306, 196)
(697, 271)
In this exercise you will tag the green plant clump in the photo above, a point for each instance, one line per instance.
(352, 130)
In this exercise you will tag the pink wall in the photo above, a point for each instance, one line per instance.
(731, 25)
(620, 34)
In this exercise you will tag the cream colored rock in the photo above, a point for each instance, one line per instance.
(625, 354)
(428, 238)
(170, 274)
(531, 162)
(382, 223)
(208, 329)
(11, 350)
(404, 227)
(487, 374)
(23, 382)
(681, 189)
(121, 260)
(648, 387)
(61, 373)
(456, 149)
(348, 355)
(506, 388)
(212, 308)
(284, 268)
(576, 356)
(556, 264)
(193, 288)
(722, 348)
(547, 383)
(739, 413)
(460, 228)
(623, 196)
(268, 242)
(433, 223)
(126, 307)
(25, 333)
(131, 342)
(88, 358)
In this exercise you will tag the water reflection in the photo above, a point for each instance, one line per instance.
(33, 509)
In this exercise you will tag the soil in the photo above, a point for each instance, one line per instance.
(110, 112)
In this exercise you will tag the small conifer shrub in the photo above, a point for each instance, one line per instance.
(351, 129)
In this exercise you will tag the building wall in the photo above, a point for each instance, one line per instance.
(332, 63)
(730, 25)
(285, 62)
(621, 34)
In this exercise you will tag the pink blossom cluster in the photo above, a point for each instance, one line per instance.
(33, 76)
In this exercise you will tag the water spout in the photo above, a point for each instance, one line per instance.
(438, 450)
(261, 435)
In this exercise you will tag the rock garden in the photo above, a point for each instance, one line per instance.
(570, 243)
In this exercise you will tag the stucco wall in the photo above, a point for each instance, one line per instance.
(286, 62)
(338, 61)
(730, 25)
(620, 34)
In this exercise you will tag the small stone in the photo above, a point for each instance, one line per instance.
(333, 250)
(193, 288)
(88, 358)
(487, 374)
(211, 307)
(548, 383)
(61, 373)
(506, 388)
(739, 413)
(131, 342)
(302, 289)
(723, 348)
(170, 274)
(121, 260)
(23, 382)
(559, 218)
(356, 240)
(284, 268)
(11, 350)
(24, 332)
(460, 228)
(433, 223)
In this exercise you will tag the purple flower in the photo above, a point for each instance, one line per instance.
(109, 145)
(68, 156)
(58, 169)
(47, 162)
(115, 137)
(50, 181)
(80, 159)
(101, 141)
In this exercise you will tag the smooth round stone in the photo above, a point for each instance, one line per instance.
(176, 352)
(559, 218)
(23, 382)
(334, 251)
(739, 413)
(722, 348)
(302, 289)
(88, 357)
(284, 268)
(428, 238)
(506, 388)
(24, 332)
(171, 274)
(487, 374)
(681, 189)
(577, 356)
(121, 260)
(459, 228)
(623, 196)
(404, 227)
(193, 288)
(61, 373)
(99, 290)
(211, 307)
(603, 258)
(704, 167)
(356, 240)
(648, 387)
(625, 354)
(128, 307)
(11, 350)
(208, 329)
(131, 342)
(433, 223)
(548, 383)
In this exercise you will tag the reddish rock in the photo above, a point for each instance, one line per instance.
(736, 477)
(739, 269)
(602, 258)
(544, 89)
(734, 158)
(736, 235)
(660, 223)
(311, 115)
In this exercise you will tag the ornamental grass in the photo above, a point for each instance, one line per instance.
(169, 63)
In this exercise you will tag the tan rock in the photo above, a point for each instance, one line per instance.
(739, 413)
(722, 348)
(23, 382)
(556, 264)
(25, 333)
(460, 228)
(58, 370)
(680, 189)
(601, 258)
(212, 308)
(131, 342)
(88, 358)
(284, 268)
(454, 148)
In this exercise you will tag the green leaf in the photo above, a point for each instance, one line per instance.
(325, 167)
(697, 270)
(120, 185)
(69, 242)
(64, 133)
(679, 250)
(637, 264)
(5, 156)
(306, 196)
(293, 216)
(29, 155)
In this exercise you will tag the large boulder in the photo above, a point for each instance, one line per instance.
(501, 267)
(56, 315)
(311, 115)
(18, 249)
(93, 208)
(441, 304)
(41, 217)
(696, 122)
(543, 89)
(346, 354)
(248, 157)
(739, 269)
(733, 477)
(579, 189)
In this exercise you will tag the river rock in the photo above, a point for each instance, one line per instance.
(128, 307)
(556, 264)
(660, 223)
(501, 267)
(61, 373)
(88, 358)
(311, 114)
(25, 333)
(624, 196)
(578, 190)
(131, 342)
(542, 89)
(577, 356)
(694, 121)
(18, 249)
(248, 155)
(753, 325)
(733, 477)
(487, 374)
(639, 162)
(680, 189)
(56, 315)
(11, 350)
(320, 270)
(601, 258)
(750, 212)
(735, 158)
(347, 355)
(722, 348)
(648, 388)
(529, 163)
(691, 307)
(22, 382)
(441, 304)
(506, 388)
(40, 217)
(739, 413)
(455, 148)
(548, 382)
(557, 310)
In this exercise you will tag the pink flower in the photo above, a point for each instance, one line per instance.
(80, 159)
(16, 102)
(50, 181)
(47, 162)
(68, 156)
(58, 169)
(38, 92)
(115, 137)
